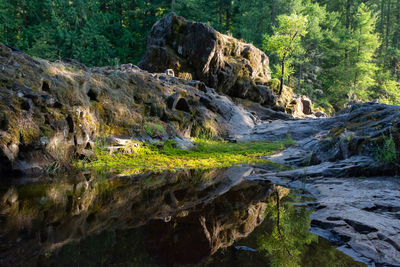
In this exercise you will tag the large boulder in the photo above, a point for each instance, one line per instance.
(53, 112)
(194, 50)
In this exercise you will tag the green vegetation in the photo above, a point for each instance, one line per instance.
(291, 243)
(207, 154)
(153, 129)
(388, 152)
(286, 42)
(289, 236)
(351, 47)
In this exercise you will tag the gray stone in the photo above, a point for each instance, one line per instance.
(183, 143)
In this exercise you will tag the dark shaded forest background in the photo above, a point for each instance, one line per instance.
(351, 49)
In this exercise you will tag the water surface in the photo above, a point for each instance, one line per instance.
(199, 218)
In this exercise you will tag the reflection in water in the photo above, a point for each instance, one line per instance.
(208, 227)
(190, 217)
(294, 246)
(289, 235)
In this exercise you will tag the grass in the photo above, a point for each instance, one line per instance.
(207, 154)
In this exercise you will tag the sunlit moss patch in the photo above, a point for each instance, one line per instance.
(206, 154)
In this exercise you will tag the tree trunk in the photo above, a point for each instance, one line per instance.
(300, 76)
(273, 13)
(388, 26)
(220, 13)
(396, 34)
(382, 30)
(383, 17)
(283, 73)
(348, 14)
(228, 17)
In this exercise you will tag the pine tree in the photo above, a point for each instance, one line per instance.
(353, 76)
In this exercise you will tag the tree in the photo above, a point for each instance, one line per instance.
(286, 41)
(351, 67)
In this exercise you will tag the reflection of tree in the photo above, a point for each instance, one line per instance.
(289, 236)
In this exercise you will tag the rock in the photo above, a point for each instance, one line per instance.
(307, 105)
(170, 72)
(356, 204)
(320, 114)
(354, 133)
(115, 141)
(220, 61)
(57, 110)
(183, 105)
(360, 215)
(172, 100)
(183, 143)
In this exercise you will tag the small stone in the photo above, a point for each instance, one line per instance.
(44, 140)
(170, 72)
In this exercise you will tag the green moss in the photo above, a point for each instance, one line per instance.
(205, 130)
(153, 129)
(206, 155)
(234, 46)
(274, 84)
(45, 130)
(29, 134)
(336, 132)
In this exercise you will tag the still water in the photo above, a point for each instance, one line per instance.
(189, 218)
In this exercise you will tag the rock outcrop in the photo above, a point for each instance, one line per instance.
(355, 138)
(196, 51)
(349, 164)
(51, 113)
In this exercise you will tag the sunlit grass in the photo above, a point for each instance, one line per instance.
(207, 154)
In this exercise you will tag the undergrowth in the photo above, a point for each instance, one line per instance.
(388, 152)
(207, 154)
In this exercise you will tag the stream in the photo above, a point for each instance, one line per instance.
(221, 217)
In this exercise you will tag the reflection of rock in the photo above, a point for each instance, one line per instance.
(46, 216)
(191, 238)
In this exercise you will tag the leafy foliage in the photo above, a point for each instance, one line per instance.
(289, 236)
(388, 152)
(286, 41)
(351, 47)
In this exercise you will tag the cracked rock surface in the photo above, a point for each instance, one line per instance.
(357, 202)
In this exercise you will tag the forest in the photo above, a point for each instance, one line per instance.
(350, 50)
(199, 133)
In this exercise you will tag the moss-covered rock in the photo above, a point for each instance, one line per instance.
(53, 112)
(194, 50)
(197, 51)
